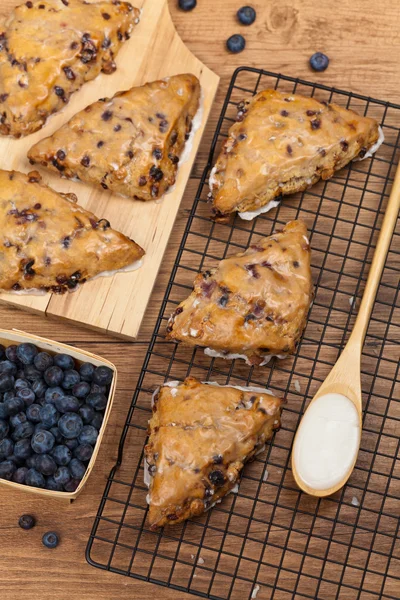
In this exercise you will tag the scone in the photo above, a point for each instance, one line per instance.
(49, 48)
(201, 435)
(48, 243)
(130, 143)
(283, 144)
(253, 305)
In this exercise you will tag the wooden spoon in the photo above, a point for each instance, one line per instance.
(328, 438)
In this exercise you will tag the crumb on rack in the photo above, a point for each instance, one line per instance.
(255, 591)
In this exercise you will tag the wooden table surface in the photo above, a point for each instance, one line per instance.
(361, 37)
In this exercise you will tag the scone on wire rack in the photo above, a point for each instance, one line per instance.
(201, 435)
(252, 305)
(282, 144)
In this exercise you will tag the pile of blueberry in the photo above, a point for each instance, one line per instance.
(51, 411)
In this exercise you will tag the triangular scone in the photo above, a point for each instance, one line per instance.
(282, 144)
(49, 48)
(130, 143)
(49, 243)
(254, 304)
(200, 437)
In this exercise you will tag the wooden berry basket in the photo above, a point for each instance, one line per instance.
(7, 338)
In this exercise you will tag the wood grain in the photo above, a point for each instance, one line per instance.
(117, 304)
(362, 41)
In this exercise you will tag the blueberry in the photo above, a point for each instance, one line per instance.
(246, 15)
(71, 444)
(27, 396)
(6, 448)
(64, 361)
(27, 522)
(2, 352)
(17, 420)
(81, 389)
(97, 401)
(97, 389)
(31, 373)
(71, 378)
(86, 372)
(50, 539)
(187, 5)
(88, 435)
(41, 427)
(52, 393)
(62, 475)
(7, 469)
(57, 434)
(217, 478)
(14, 406)
(26, 353)
(42, 442)
(23, 431)
(49, 415)
(7, 367)
(97, 420)
(77, 468)
(3, 411)
(6, 382)
(87, 413)
(43, 361)
(319, 62)
(35, 479)
(62, 455)
(103, 376)
(70, 425)
(20, 383)
(31, 461)
(11, 353)
(53, 376)
(8, 395)
(83, 452)
(22, 449)
(71, 485)
(236, 43)
(39, 388)
(67, 404)
(19, 475)
(33, 413)
(4, 429)
(52, 485)
(45, 464)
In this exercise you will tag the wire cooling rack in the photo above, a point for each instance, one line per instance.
(270, 540)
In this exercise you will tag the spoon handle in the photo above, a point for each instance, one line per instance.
(378, 262)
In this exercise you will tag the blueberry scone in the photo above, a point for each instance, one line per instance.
(253, 305)
(49, 243)
(130, 143)
(49, 48)
(282, 144)
(201, 435)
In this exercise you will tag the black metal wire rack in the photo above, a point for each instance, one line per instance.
(270, 540)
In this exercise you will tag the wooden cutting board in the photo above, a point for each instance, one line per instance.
(117, 304)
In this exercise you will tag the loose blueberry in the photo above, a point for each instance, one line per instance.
(72, 485)
(26, 353)
(4, 429)
(7, 367)
(62, 455)
(81, 390)
(22, 449)
(6, 448)
(77, 468)
(87, 413)
(6, 382)
(31, 373)
(246, 15)
(64, 361)
(83, 452)
(72, 443)
(97, 420)
(52, 393)
(88, 435)
(23, 431)
(35, 479)
(39, 388)
(62, 475)
(57, 434)
(319, 61)
(16, 420)
(27, 522)
(50, 539)
(49, 415)
(86, 372)
(236, 43)
(14, 406)
(33, 413)
(103, 376)
(20, 384)
(67, 404)
(27, 396)
(97, 401)
(54, 376)
(70, 425)
(42, 442)
(7, 469)
(43, 361)
(52, 485)
(45, 464)
(71, 378)
(19, 475)
(187, 5)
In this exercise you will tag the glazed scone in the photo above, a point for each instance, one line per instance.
(49, 243)
(130, 143)
(283, 144)
(201, 435)
(253, 305)
(49, 48)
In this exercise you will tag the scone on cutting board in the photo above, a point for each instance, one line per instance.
(49, 48)
(253, 305)
(131, 143)
(282, 144)
(201, 435)
(49, 243)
